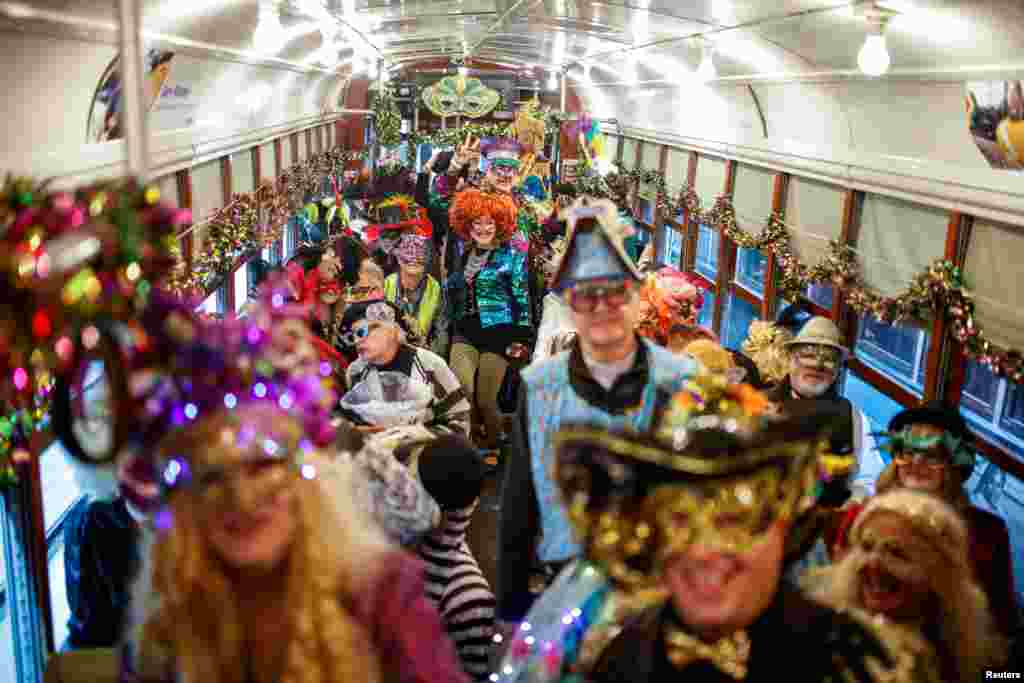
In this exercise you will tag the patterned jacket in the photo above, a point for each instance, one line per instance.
(500, 294)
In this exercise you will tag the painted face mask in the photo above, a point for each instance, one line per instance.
(908, 448)
(460, 96)
(631, 526)
(818, 357)
(246, 464)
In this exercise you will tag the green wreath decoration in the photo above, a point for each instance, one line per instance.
(387, 118)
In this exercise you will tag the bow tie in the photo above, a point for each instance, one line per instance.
(729, 654)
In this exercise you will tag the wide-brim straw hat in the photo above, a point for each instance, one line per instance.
(820, 331)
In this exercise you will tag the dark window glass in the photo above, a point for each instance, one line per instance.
(875, 405)
(672, 249)
(994, 408)
(821, 294)
(750, 267)
(981, 389)
(707, 312)
(706, 262)
(1002, 494)
(8, 665)
(647, 211)
(897, 351)
(739, 313)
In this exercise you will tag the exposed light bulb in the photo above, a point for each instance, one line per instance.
(463, 71)
(873, 59)
(553, 81)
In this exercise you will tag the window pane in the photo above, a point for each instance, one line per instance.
(994, 408)
(1013, 414)
(999, 492)
(707, 312)
(647, 211)
(821, 295)
(706, 262)
(980, 392)
(878, 407)
(241, 287)
(739, 313)
(896, 351)
(750, 267)
(672, 252)
(8, 671)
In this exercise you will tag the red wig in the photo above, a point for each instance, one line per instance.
(472, 204)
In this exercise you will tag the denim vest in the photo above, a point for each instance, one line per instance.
(552, 401)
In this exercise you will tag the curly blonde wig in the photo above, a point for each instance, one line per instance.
(472, 204)
(187, 612)
(962, 626)
(766, 346)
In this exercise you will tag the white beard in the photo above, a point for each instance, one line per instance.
(810, 389)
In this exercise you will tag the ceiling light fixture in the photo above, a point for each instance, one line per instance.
(553, 82)
(873, 58)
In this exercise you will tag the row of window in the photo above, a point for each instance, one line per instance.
(993, 407)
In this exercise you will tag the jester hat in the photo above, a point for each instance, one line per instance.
(594, 248)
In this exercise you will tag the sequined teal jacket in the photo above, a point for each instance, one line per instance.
(500, 291)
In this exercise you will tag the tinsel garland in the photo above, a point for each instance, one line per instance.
(255, 220)
(937, 291)
(387, 119)
(68, 260)
(453, 137)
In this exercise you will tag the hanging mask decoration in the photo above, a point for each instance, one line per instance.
(460, 96)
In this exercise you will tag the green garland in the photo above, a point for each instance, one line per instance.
(387, 118)
(236, 230)
(937, 291)
(452, 137)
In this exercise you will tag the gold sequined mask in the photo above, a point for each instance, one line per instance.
(630, 527)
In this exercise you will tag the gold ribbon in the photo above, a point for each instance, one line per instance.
(729, 654)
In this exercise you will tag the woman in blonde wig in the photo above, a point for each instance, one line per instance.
(262, 569)
(908, 565)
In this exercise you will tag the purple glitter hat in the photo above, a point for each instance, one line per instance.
(195, 368)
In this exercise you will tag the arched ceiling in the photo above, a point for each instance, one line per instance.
(601, 41)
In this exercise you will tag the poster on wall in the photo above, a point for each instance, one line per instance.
(168, 102)
(995, 115)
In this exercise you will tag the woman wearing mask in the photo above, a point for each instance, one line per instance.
(931, 454)
(261, 569)
(414, 291)
(908, 564)
(489, 300)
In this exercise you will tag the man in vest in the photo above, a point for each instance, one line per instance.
(609, 376)
(816, 360)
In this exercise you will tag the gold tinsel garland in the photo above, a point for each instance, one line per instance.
(938, 290)
(255, 220)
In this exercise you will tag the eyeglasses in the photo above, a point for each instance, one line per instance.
(361, 330)
(585, 298)
(814, 356)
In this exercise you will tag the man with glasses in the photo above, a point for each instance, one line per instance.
(609, 375)
(816, 363)
(373, 329)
